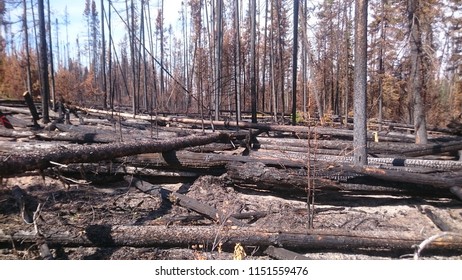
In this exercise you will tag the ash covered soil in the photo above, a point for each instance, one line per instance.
(74, 205)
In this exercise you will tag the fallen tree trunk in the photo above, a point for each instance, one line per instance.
(432, 149)
(390, 125)
(257, 174)
(212, 236)
(241, 124)
(88, 134)
(22, 110)
(15, 133)
(111, 169)
(271, 178)
(18, 163)
(345, 178)
(390, 148)
(437, 165)
(425, 179)
(76, 137)
(186, 159)
(260, 168)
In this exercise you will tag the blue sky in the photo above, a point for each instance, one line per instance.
(75, 10)
(77, 24)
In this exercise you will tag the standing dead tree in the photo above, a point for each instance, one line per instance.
(360, 84)
(45, 85)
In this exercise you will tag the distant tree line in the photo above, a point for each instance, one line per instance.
(240, 56)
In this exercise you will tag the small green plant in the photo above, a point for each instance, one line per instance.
(299, 117)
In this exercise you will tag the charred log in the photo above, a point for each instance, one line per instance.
(211, 236)
(19, 163)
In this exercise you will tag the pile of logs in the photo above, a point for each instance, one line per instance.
(272, 157)
(269, 157)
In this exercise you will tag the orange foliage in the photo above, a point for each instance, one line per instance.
(13, 82)
(76, 88)
(68, 86)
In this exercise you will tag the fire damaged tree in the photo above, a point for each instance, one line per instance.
(253, 71)
(294, 66)
(360, 84)
(416, 78)
(45, 89)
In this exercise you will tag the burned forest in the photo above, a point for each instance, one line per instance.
(255, 130)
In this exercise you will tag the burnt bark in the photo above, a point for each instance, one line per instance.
(301, 131)
(416, 82)
(242, 124)
(45, 85)
(389, 148)
(340, 178)
(360, 84)
(32, 108)
(18, 163)
(407, 177)
(184, 236)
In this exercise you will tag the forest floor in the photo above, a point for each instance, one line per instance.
(71, 208)
(56, 206)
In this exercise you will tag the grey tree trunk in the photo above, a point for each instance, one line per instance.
(360, 84)
(103, 57)
(110, 78)
(52, 68)
(26, 38)
(219, 48)
(253, 70)
(162, 82)
(264, 58)
(381, 69)
(273, 73)
(347, 58)
(304, 59)
(416, 81)
(237, 61)
(294, 66)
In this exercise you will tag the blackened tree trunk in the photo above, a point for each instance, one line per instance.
(52, 68)
(294, 66)
(253, 70)
(14, 164)
(416, 81)
(111, 87)
(103, 57)
(132, 40)
(264, 60)
(347, 45)
(381, 69)
(162, 53)
(45, 88)
(219, 51)
(26, 39)
(360, 84)
(280, 41)
(237, 61)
